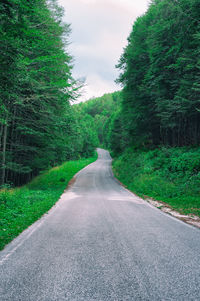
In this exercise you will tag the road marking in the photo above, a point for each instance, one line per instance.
(122, 198)
(68, 195)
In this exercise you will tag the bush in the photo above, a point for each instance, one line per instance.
(168, 174)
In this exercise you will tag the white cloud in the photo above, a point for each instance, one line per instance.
(96, 86)
(99, 32)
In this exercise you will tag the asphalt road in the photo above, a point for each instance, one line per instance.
(100, 242)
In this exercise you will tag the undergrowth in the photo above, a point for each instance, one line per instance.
(20, 207)
(171, 175)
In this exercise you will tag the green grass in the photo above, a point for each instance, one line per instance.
(20, 207)
(171, 175)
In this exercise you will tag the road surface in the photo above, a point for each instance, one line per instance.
(100, 242)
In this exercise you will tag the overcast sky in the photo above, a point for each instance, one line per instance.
(99, 33)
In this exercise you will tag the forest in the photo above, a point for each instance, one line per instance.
(151, 127)
(157, 108)
(159, 104)
(38, 127)
(160, 75)
(153, 130)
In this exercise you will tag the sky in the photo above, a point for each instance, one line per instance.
(100, 29)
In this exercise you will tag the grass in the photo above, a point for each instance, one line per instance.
(171, 175)
(20, 207)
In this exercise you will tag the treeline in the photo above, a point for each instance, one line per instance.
(100, 115)
(38, 127)
(160, 74)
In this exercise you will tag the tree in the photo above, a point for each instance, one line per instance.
(35, 88)
(159, 73)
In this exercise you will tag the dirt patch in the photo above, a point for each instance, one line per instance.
(189, 219)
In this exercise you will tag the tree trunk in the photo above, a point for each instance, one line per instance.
(1, 134)
(4, 154)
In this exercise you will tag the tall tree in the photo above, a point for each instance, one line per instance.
(35, 88)
(160, 75)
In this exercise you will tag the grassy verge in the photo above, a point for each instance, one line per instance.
(20, 207)
(171, 175)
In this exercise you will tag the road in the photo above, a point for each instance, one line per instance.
(101, 242)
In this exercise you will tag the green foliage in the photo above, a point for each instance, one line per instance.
(160, 76)
(36, 120)
(168, 174)
(20, 207)
(98, 113)
(160, 106)
(87, 135)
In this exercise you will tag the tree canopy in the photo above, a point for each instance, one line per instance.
(36, 85)
(160, 75)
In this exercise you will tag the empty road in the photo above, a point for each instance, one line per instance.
(101, 242)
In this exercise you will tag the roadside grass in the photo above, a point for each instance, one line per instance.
(21, 207)
(170, 175)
